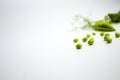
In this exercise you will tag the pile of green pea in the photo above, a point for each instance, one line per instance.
(90, 40)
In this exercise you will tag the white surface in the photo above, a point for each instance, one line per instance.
(35, 43)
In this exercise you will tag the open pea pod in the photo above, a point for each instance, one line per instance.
(103, 26)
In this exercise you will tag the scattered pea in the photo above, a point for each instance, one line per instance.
(88, 35)
(107, 34)
(102, 33)
(91, 41)
(106, 38)
(109, 40)
(78, 46)
(117, 34)
(84, 39)
(75, 40)
(93, 33)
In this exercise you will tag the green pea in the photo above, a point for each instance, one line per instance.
(102, 33)
(75, 40)
(117, 34)
(109, 40)
(93, 33)
(106, 38)
(84, 39)
(107, 35)
(78, 46)
(88, 35)
(91, 41)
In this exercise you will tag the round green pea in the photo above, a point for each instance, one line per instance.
(88, 35)
(108, 35)
(84, 39)
(93, 33)
(106, 38)
(109, 40)
(75, 40)
(102, 33)
(91, 41)
(78, 46)
(117, 34)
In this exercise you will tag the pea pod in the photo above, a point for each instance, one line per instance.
(103, 26)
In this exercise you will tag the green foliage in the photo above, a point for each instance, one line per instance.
(113, 17)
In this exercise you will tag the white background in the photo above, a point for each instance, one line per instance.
(36, 44)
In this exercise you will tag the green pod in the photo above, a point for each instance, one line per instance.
(103, 26)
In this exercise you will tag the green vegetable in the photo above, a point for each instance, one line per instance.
(117, 34)
(102, 33)
(114, 17)
(106, 38)
(107, 35)
(109, 40)
(84, 39)
(79, 46)
(75, 40)
(100, 25)
(91, 41)
(93, 33)
(103, 26)
(88, 35)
